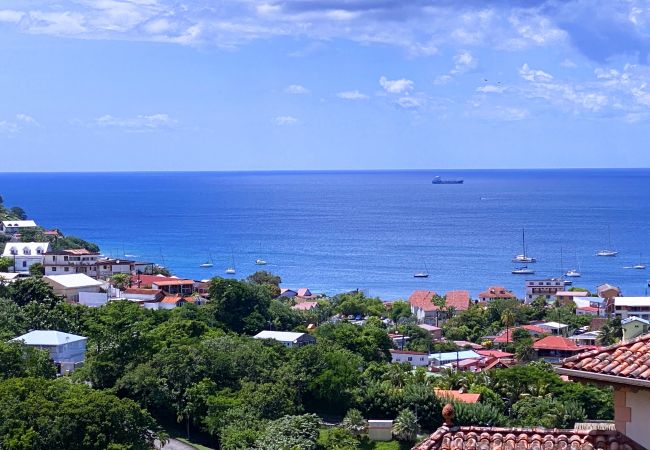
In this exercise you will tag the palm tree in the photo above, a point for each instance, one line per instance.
(405, 427)
(508, 320)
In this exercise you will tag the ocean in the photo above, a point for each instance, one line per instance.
(338, 231)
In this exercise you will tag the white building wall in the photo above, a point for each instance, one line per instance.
(638, 427)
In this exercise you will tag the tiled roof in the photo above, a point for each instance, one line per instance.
(459, 300)
(422, 300)
(496, 292)
(305, 306)
(458, 395)
(172, 299)
(506, 335)
(465, 438)
(172, 282)
(625, 361)
(495, 353)
(556, 343)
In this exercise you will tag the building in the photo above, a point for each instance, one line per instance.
(175, 286)
(305, 306)
(634, 327)
(589, 311)
(441, 359)
(287, 338)
(16, 226)
(625, 307)
(505, 336)
(426, 311)
(141, 295)
(435, 332)
(554, 328)
(546, 288)
(496, 293)
(554, 348)
(623, 366)
(565, 298)
(416, 359)
(62, 262)
(71, 286)
(25, 254)
(586, 339)
(67, 351)
(380, 430)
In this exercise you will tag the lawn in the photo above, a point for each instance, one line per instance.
(372, 445)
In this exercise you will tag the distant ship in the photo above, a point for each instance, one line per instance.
(438, 180)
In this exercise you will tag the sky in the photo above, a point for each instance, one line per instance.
(146, 85)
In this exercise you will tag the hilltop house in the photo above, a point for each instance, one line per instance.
(287, 338)
(67, 351)
(25, 254)
(415, 359)
(623, 366)
(73, 285)
(427, 312)
(496, 293)
(553, 348)
(546, 288)
(625, 307)
(16, 226)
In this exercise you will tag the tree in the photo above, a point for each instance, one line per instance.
(18, 212)
(547, 412)
(290, 432)
(37, 270)
(5, 263)
(262, 277)
(121, 281)
(354, 422)
(18, 360)
(405, 427)
(339, 438)
(239, 306)
(400, 311)
(478, 414)
(610, 332)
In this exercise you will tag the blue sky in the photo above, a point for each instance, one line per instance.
(323, 84)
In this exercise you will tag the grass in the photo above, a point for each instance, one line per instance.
(367, 444)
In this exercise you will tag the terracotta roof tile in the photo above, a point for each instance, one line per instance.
(458, 396)
(629, 360)
(556, 343)
(422, 300)
(459, 300)
(496, 292)
(464, 438)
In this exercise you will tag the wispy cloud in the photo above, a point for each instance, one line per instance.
(138, 123)
(19, 122)
(285, 120)
(352, 95)
(396, 86)
(464, 61)
(297, 89)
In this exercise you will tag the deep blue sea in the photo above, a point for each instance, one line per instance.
(337, 231)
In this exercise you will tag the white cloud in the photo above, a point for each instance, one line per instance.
(18, 124)
(396, 86)
(411, 102)
(352, 95)
(285, 120)
(138, 123)
(11, 16)
(8, 127)
(568, 63)
(534, 75)
(297, 89)
(442, 79)
(464, 62)
(26, 119)
(490, 89)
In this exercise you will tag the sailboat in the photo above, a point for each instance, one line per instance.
(260, 261)
(573, 273)
(231, 270)
(424, 274)
(208, 263)
(523, 258)
(523, 270)
(608, 251)
(565, 282)
(639, 266)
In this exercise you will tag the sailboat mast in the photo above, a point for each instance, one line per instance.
(523, 240)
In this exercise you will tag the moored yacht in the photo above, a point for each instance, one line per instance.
(524, 270)
(523, 258)
(572, 273)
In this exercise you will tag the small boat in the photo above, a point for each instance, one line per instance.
(260, 262)
(438, 180)
(231, 270)
(639, 266)
(524, 270)
(608, 251)
(207, 264)
(523, 258)
(424, 274)
(567, 282)
(572, 273)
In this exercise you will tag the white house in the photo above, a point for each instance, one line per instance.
(69, 286)
(287, 338)
(25, 254)
(440, 359)
(68, 351)
(15, 226)
(416, 359)
(588, 338)
(625, 307)
(546, 288)
(555, 328)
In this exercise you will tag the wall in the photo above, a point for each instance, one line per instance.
(639, 416)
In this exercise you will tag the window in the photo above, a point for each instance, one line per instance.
(53, 269)
(66, 269)
(24, 263)
(410, 359)
(65, 258)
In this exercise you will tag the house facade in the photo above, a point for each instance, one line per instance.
(16, 226)
(625, 307)
(63, 262)
(496, 293)
(67, 351)
(287, 338)
(547, 288)
(25, 254)
(72, 285)
(415, 359)
(430, 313)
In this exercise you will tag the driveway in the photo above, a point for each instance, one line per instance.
(173, 444)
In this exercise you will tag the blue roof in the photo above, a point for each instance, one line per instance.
(447, 357)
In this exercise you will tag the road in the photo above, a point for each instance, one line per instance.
(173, 444)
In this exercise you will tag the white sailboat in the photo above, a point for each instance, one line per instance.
(260, 261)
(639, 266)
(523, 270)
(208, 263)
(573, 273)
(608, 251)
(424, 274)
(523, 258)
(231, 270)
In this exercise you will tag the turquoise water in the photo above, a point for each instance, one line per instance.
(336, 231)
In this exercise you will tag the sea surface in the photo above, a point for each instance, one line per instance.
(337, 231)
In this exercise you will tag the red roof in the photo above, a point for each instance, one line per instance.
(142, 291)
(172, 299)
(459, 300)
(556, 343)
(305, 306)
(495, 353)
(464, 438)
(422, 300)
(592, 309)
(146, 280)
(626, 360)
(173, 282)
(506, 335)
(458, 395)
(496, 292)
